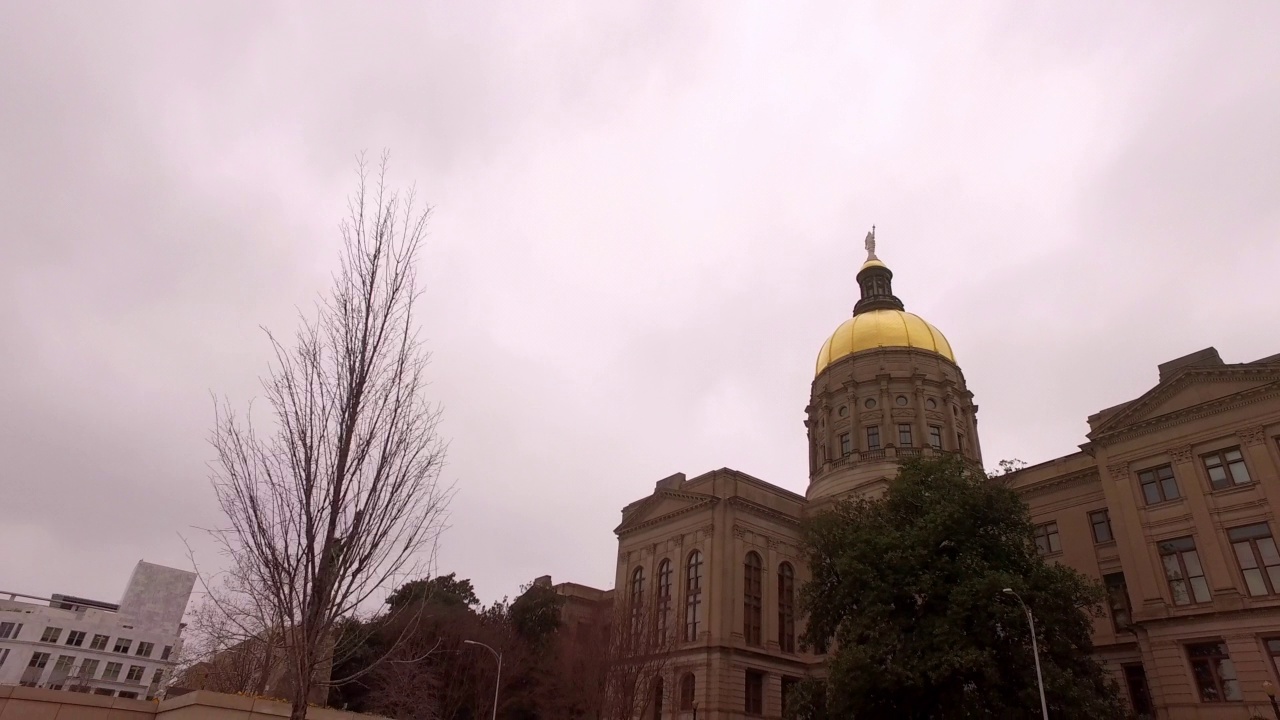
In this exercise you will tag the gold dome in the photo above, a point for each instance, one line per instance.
(882, 328)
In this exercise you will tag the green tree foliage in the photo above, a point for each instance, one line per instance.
(906, 591)
(439, 590)
(430, 673)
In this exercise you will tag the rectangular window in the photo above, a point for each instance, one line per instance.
(788, 689)
(1215, 675)
(1256, 553)
(935, 437)
(135, 673)
(127, 695)
(1226, 468)
(1118, 600)
(1139, 696)
(964, 444)
(122, 645)
(51, 635)
(104, 691)
(155, 676)
(168, 650)
(112, 671)
(846, 447)
(755, 693)
(10, 630)
(904, 435)
(1047, 539)
(1273, 652)
(1158, 485)
(61, 669)
(144, 649)
(873, 437)
(1101, 522)
(75, 638)
(38, 660)
(99, 642)
(88, 669)
(1183, 571)
(4, 655)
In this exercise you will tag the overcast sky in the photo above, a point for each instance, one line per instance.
(648, 217)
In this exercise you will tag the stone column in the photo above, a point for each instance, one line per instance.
(1145, 581)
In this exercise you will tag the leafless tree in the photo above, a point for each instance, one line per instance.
(341, 495)
(617, 662)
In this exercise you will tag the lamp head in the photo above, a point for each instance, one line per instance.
(1007, 591)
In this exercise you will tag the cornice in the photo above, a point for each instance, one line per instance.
(1188, 376)
(1195, 412)
(702, 501)
(1080, 477)
(762, 511)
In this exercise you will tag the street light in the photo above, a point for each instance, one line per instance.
(497, 680)
(1035, 650)
(1270, 690)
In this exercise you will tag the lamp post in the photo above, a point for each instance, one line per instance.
(498, 679)
(1270, 690)
(1035, 650)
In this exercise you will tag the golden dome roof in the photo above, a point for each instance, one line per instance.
(882, 328)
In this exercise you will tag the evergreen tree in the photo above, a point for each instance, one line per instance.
(906, 591)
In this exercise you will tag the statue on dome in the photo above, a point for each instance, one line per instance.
(871, 244)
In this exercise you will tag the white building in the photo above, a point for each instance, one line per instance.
(127, 649)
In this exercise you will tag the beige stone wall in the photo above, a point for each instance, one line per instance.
(23, 703)
(1200, 406)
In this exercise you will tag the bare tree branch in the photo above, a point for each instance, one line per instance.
(342, 495)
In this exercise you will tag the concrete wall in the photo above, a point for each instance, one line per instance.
(23, 703)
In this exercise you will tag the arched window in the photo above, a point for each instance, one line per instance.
(693, 596)
(786, 608)
(637, 602)
(752, 598)
(662, 616)
(657, 698)
(686, 691)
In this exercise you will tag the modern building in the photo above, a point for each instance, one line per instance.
(126, 649)
(1167, 503)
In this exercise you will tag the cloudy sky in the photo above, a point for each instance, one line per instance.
(647, 220)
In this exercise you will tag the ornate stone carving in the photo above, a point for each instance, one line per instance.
(1181, 454)
(707, 529)
(1252, 435)
(1118, 471)
(773, 543)
(739, 531)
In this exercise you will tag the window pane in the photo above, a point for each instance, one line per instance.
(1232, 455)
(1200, 589)
(1204, 681)
(1170, 488)
(1240, 473)
(1150, 493)
(1267, 548)
(1192, 560)
(1178, 589)
(1253, 579)
(1171, 567)
(1217, 475)
(1244, 554)
(1273, 572)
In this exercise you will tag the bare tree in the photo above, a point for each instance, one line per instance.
(618, 664)
(342, 495)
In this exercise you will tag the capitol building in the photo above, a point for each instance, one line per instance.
(1167, 503)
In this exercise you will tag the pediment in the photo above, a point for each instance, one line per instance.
(1191, 388)
(663, 505)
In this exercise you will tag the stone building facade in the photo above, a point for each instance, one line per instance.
(1167, 502)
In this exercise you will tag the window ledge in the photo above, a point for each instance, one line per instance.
(1105, 543)
(1234, 489)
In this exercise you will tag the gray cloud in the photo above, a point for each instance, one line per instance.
(647, 221)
